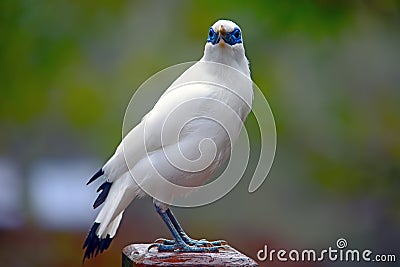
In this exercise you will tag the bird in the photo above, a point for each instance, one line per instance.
(209, 102)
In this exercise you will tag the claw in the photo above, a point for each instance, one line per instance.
(212, 249)
(223, 247)
(152, 246)
(164, 241)
(222, 242)
(219, 243)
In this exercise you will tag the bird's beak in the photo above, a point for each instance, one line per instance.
(222, 32)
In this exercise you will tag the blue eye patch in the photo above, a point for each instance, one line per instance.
(231, 38)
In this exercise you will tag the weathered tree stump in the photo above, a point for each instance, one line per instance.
(136, 255)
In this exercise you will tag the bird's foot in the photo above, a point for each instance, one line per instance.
(192, 242)
(183, 247)
(206, 243)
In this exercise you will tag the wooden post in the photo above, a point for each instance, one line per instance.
(136, 255)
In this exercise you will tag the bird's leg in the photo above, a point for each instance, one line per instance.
(188, 240)
(178, 244)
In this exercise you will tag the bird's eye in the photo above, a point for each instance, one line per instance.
(210, 33)
(236, 34)
(212, 36)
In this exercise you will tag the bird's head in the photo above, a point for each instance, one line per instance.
(225, 45)
(224, 33)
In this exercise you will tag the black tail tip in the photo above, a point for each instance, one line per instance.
(96, 175)
(105, 189)
(95, 245)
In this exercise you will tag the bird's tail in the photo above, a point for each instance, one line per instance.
(116, 197)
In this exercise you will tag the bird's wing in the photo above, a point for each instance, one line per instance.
(157, 129)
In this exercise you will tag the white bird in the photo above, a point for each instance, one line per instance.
(184, 139)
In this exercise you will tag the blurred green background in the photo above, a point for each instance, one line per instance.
(329, 69)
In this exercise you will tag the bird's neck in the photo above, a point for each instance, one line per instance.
(232, 57)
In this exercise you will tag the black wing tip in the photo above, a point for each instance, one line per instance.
(95, 245)
(95, 176)
(105, 189)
